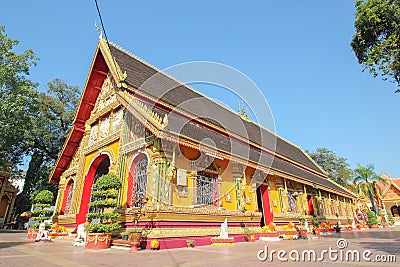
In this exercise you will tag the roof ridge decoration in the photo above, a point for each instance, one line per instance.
(112, 63)
(142, 109)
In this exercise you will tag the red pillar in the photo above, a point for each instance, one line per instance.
(267, 212)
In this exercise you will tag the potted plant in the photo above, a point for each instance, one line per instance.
(302, 221)
(249, 235)
(40, 212)
(124, 235)
(349, 226)
(323, 228)
(190, 243)
(329, 227)
(391, 219)
(372, 219)
(315, 225)
(103, 220)
(136, 233)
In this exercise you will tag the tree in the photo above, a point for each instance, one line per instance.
(364, 182)
(337, 167)
(18, 101)
(376, 42)
(56, 111)
(43, 201)
(53, 121)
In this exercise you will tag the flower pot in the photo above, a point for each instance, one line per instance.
(134, 246)
(154, 244)
(98, 240)
(303, 232)
(323, 231)
(32, 233)
(290, 234)
(135, 237)
(270, 234)
(250, 237)
(190, 243)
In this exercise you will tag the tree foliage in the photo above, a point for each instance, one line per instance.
(376, 42)
(56, 111)
(33, 125)
(337, 167)
(44, 197)
(364, 182)
(18, 101)
(53, 121)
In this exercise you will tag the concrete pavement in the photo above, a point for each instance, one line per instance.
(372, 246)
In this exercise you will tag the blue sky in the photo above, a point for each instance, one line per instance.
(297, 52)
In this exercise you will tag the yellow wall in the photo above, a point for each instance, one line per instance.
(113, 148)
(228, 188)
(274, 199)
(182, 201)
(253, 204)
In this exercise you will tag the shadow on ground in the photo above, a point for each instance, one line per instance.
(10, 244)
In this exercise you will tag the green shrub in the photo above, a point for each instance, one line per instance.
(372, 219)
(44, 197)
(390, 217)
(106, 197)
(43, 200)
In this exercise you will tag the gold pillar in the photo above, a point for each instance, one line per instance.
(237, 173)
(193, 187)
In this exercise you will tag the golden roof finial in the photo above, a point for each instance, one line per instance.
(243, 110)
(99, 30)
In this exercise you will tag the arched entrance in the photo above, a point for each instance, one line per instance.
(67, 197)
(137, 182)
(99, 167)
(3, 207)
(264, 205)
(395, 211)
(310, 205)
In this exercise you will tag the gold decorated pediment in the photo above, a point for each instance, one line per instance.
(107, 95)
(392, 193)
(107, 116)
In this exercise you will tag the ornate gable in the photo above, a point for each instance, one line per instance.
(107, 116)
(392, 193)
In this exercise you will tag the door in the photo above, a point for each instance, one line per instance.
(263, 205)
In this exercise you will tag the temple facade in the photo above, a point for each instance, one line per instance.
(389, 196)
(188, 172)
(8, 193)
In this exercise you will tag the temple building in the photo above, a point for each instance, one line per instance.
(189, 160)
(389, 195)
(8, 192)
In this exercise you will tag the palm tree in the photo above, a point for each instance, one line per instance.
(365, 182)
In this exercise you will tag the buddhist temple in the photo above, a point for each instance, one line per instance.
(389, 196)
(8, 193)
(133, 121)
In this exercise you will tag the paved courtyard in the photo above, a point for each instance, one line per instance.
(372, 246)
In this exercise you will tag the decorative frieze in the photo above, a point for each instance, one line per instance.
(108, 140)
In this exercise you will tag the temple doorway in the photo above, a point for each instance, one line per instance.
(99, 167)
(263, 205)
